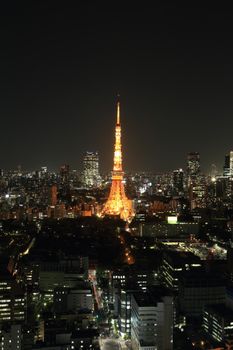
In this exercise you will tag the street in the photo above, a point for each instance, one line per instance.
(113, 344)
(109, 344)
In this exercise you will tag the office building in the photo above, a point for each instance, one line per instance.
(198, 288)
(64, 173)
(53, 195)
(193, 166)
(12, 299)
(218, 322)
(228, 165)
(73, 299)
(152, 321)
(90, 176)
(174, 265)
(178, 182)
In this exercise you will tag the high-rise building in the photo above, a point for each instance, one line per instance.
(195, 181)
(218, 322)
(193, 166)
(44, 169)
(152, 321)
(198, 288)
(12, 299)
(231, 163)
(174, 264)
(228, 165)
(91, 176)
(53, 195)
(118, 204)
(178, 182)
(64, 173)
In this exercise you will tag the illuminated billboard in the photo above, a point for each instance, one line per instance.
(172, 220)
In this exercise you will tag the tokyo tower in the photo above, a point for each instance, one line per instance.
(118, 204)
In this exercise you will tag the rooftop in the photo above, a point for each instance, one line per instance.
(151, 297)
(221, 310)
(178, 258)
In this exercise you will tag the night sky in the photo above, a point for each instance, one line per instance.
(62, 66)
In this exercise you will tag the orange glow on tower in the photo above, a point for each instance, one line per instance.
(118, 203)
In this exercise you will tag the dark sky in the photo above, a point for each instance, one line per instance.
(62, 65)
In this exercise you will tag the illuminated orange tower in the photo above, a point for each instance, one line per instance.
(118, 203)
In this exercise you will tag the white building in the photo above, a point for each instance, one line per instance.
(152, 321)
(231, 163)
(80, 299)
(73, 299)
(91, 176)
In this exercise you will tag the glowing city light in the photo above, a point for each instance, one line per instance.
(118, 203)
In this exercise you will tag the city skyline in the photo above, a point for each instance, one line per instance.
(116, 176)
(62, 67)
(79, 167)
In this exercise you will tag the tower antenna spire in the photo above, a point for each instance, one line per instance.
(118, 109)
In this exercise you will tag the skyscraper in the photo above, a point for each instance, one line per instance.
(178, 182)
(231, 163)
(118, 203)
(64, 173)
(195, 181)
(193, 166)
(228, 165)
(227, 180)
(91, 176)
(53, 195)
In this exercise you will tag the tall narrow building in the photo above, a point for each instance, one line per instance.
(118, 204)
(193, 166)
(228, 166)
(91, 177)
(53, 195)
(178, 182)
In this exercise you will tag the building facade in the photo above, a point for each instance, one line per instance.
(152, 322)
(91, 177)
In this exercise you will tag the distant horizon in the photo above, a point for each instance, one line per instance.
(103, 171)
